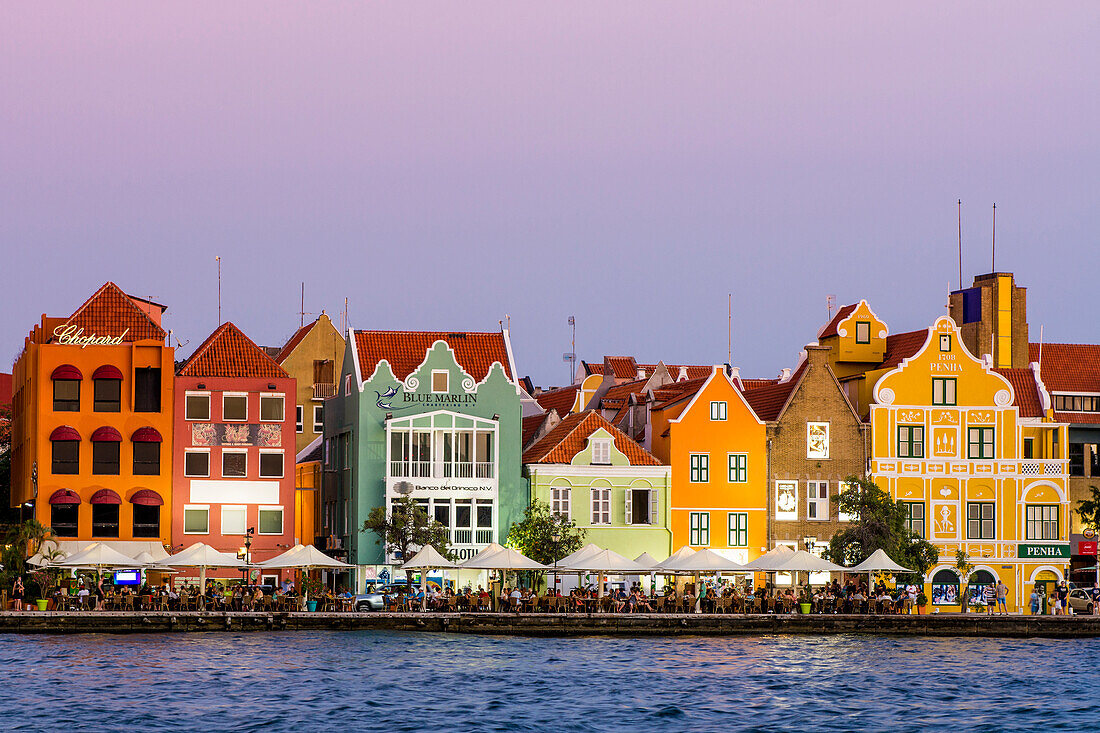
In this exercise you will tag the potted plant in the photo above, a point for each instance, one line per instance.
(42, 579)
(311, 587)
(922, 601)
(805, 599)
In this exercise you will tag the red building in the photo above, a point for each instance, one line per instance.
(234, 449)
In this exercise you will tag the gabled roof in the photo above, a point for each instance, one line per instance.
(571, 435)
(767, 402)
(561, 399)
(901, 346)
(830, 327)
(475, 352)
(758, 383)
(1027, 392)
(626, 367)
(312, 453)
(229, 353)
(672, 394)
(531, 425)
(296, 339)
(110, 312)
(1068, 367)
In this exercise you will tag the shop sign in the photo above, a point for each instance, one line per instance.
(68, 334)
(480, 487)
(1089, 533)
(1042, 552)
(1086, 547)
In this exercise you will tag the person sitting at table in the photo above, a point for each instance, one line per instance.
(639, 602)
(258, 599)
(857, 598)
(515, 598)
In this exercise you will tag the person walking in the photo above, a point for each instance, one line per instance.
(1002, 596)
(17, 593)
(1034, 601)
(1062, 605)
(990, 597)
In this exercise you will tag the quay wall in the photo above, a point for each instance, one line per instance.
(552, 625)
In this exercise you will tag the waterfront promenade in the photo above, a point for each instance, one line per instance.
(540, 624)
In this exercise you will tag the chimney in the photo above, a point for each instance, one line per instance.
(816, 355)
(784, 375)
(641, 373)
(683, 375)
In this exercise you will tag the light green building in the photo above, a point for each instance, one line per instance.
(607, 484)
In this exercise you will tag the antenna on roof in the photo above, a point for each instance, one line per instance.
(219, 259)
(1040, 348)
(345, 315)
(729, 329)
(994, 237)
(830, 304)
(571, 356)
(302, 313)
(960, 244)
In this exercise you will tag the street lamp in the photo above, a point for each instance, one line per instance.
(246, 551)
(555, 537)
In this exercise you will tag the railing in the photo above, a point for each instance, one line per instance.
(323, 390)
(484, 536)
(411, 469)
(462, 536)
(1041, 468)
(432, 469)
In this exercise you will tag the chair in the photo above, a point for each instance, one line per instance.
(724, 604)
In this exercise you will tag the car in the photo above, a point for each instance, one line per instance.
(375, 600)
(1081, 602)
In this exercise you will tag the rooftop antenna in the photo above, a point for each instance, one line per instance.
(302, 313)
(830, 304)
(729, 329)
(960, 244)
(219, 259)
(1040, 348)
(570, 356)
(345, 315)
(994, 236)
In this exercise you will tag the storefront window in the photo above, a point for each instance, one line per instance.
(945, 588)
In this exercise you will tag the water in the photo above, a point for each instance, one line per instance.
(386, 681)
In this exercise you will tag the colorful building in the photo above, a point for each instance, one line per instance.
(431, 415)
(591, 473)
(91, 415)
(312, 356)
(234, 449)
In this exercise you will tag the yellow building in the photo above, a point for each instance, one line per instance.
(313, 356)
(974, 454)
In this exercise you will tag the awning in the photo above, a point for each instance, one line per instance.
(64, 432)
(105, 496)
(106, 434)
(107, 371)
(64, 496)
(146, 497)
(146, 435)
(66, 371)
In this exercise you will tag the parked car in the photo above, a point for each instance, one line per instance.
(375, 600)
(1081, 602)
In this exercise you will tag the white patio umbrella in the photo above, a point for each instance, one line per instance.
(771, 560)
(497, 557)
(675, 558)
(877, 562)
(801, 561)
(304, 557)
(590, 549)
(427, 559)
(604, 562)
(646, 560)
(703, 561)
(202, 556)
(97, 555)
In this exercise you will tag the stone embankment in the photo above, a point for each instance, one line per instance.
(107, 622)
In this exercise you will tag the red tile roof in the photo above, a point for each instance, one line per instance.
(671, 394)
(758, 383)
(531, 425)
(405, 350)
(900, 346)
(296, 339)
(571, 435)
(229, 353)
(626, 367)
(830, 327)
(110, 311)
(1068, 367)
(621, 392)
(561, 399)
(1027, 393)
(767, 402)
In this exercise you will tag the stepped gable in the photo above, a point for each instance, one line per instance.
(1025, 389)
(768, 402)
(830, 327)
(1069, 368)
(570, 437)
(561, 399)
(229, 353)
(110, 311)
(475, 352)
(901, 346)
(292, 344)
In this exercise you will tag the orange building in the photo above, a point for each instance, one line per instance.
(91, 412)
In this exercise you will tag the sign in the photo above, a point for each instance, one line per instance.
(1042, 552)
(1086, 547)
(421, 487)
(1089, 533)
(68, 334)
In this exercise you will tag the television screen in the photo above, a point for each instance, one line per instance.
(128, 577)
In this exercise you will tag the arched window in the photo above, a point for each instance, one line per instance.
(146, 506)
(945, 588)
(146, 443)
(66, 388)
(65, 459)
(64, 513)
(105, 451)
(105, 504)
(107, 389)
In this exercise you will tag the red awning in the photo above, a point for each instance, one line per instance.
(64, 496)
(66, 371)
(146, 497)
(146, 435)
(64, 433)
(105, 496)
(107, 371)
(106, 434)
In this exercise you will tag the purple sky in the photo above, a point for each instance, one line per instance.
(630, 163)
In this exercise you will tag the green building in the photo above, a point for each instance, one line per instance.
(434, 416)
(606, 483)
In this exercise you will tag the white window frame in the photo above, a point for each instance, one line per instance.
(945, 340)
(719, 410)
(318, 425)
(347, 385)
(601, 505)
(226, 395)
(446, 379)
(187, 415)
(243, 509)
(734, 470)
(196, 450)
(561, 501)
(227, 451)
(299, 419)
(271, 452)
(196, 508)
(815, 503)
(843, 516)
(786, 515)
(282, 406)
(699, 468)
(601, 451)
(270, 508)
(699, 529)
(810, 454)
(865, 327)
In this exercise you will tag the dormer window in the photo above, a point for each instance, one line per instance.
(863, 332)
(601, 451)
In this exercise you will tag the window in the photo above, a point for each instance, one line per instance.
(980, 441)
(1042, 522)
(270, 520)
(347, 384)
(786, 500)
(641, 506)
(914, 512)
(560, 502)
(945, 342)
(863, 332)
(271, 408)
(318, 418)
(440, 381)
(235, 407)
(66, 457)
(943, 390)
(910, 441)
(979, 521)
(845, 516)
(234, 520)
(196, 520)
(485, 514)
(699, 526)
(234, 463)
(1076, 403)
(105, 457)
(196, 407)
(738, 529)
(1076, 459)
(738, 468)
(817, 440)
(299, 418)
(443, 513)
(817, 500)
(147, 389)
(105, 520)
(196, 463)
(601, 451)
(601, 505)
(717, 410)
(1029, 447)
(64, 519)
(66, 395)
(107, 395)
(945, 588)
(700, 468)
(271, 465)
(146, 459)
(146, 520)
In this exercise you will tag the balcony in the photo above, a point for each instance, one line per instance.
(440, 469)
(471, 536)
(1041, 468)
(323, 390)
